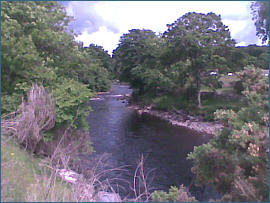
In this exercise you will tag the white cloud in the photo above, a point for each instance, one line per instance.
(241, 44)
(103, 37)
(124, 16)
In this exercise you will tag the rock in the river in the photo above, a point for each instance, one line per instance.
(108, 197)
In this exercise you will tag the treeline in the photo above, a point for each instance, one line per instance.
(180, 60)
(38, 47)
(169, 71)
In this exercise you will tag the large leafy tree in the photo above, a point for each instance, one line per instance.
(135, 48)
(199, 37)
(260, 11)
(137, 60)
(33, 39)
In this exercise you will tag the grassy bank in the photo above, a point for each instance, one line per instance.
(26, 178)
(171, 103)
(224, 98)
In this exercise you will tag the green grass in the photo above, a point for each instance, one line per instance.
(22, 174)
(17, 171)
(228, 80)
(210, 105)
(227, 86)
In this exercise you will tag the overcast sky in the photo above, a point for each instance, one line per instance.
(103, 22)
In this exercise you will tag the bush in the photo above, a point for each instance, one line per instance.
(164, 102)
(174, 195)
(236, 160)
(71, 97)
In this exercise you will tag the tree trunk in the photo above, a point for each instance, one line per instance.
(199, 92)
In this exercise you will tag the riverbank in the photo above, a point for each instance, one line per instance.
(25, 177)
(179, 118)
(28, 178)
(175, 118)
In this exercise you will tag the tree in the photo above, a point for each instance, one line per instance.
(260, 11)
(101, 57)
(255, 55)
(37, 47)
(236, 160)
(135, 48)
(198, 37)
(32, 37)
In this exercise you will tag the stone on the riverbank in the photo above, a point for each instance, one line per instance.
(107, 197)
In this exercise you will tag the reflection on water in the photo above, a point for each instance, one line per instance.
(125, 136)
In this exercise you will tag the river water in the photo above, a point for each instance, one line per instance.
(123, 137)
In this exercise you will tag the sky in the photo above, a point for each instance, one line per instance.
(104, 22)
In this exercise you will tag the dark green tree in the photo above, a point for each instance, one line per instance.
(255, 55)
(101, 57)
(138, 47)
(198, 37)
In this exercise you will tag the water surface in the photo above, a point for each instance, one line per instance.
(125, 136)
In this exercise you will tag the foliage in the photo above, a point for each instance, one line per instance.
(37, 47)
(101, 57)
(201, 36)
(236, 160)
(254, 55)
(149, 80)
(95, 77)
(260, 11)
(174, 195)
(173, 69)
(71, 97)
(138, 47)
(164, 102)
(21, 22)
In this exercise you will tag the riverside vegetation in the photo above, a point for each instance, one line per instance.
(47, 79)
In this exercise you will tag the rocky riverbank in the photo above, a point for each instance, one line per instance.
(176, 118)
(180, 118)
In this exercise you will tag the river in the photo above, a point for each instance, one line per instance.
(124, 136)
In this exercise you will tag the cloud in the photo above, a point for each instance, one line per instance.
(110, 19)
(86, 17)
(240, 44)
(102, 36)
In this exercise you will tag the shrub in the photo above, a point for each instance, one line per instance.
(174, 195)
(71, 97)
(164, 102)
(236, 160)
